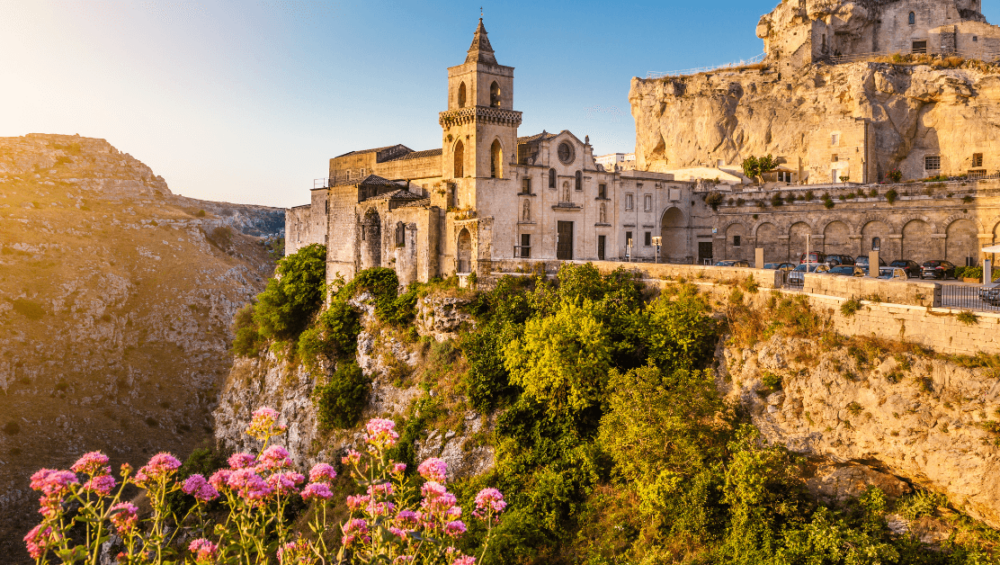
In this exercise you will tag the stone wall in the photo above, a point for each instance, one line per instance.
(895, 292)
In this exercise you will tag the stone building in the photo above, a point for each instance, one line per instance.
(489, 195)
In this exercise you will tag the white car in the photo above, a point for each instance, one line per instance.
(892, 273)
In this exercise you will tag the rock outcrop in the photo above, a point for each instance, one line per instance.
(869, 415)
(116, 299)
(914, 111)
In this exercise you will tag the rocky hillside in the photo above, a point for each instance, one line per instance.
(116, 299)
(916, 110)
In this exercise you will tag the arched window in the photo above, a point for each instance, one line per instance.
(876, 244)
(495, 95)
(400, 234)
(459, 160)
(461, 96)
(579, 181)
(496, 160)
(552, 178)
(913, 18)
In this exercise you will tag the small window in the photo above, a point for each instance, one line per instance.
(913, 18)
(526, 186)
(628, 238)
(400, 235)
(932, 163)
(495, 95)
(977, 159)
(628, 202)
(461, 95)
(876, 243)
(525, 245)
(919, 47)
(835, 158)
(736, 241)
(784, 176)
(579, 181)
(975, 38)
(647, 203)
(648, 239)
(327, 206)
(552, 178)
(835, 139)
(602, 191)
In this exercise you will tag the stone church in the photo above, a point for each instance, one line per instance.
(487, 195)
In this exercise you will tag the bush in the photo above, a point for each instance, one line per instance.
(714, 199)
(891, 195)
(894, 175)
(290, 300)
(968, 318)
(341, 400)
(810, 195)
(777, 200)
(247, 341)
(828, 203)
(849, 308)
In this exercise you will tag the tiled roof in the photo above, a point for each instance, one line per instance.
(370, 180)
(401, 194)
(420, 154)
(375, 150)
(536, 137)
(424, 201)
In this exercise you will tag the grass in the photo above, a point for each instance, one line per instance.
(849, 308)
(968, 318)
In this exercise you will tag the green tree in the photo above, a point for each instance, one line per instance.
(757, 167)
(340, 401)
(562, 359)
(296, 293)
(677, 331)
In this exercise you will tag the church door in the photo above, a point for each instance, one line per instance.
(564, 246)
(704, 251)
(600, 247)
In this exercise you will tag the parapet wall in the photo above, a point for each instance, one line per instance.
(927, 294)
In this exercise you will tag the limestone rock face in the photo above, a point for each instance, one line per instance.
(915, 111)
(441, 317)
(921, 419)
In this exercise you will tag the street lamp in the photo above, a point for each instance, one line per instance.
(657, 240)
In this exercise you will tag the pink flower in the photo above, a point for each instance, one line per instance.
(264, 424)
(124, 516)
(241, 461)
(352, 458)
(381, 433)
(408, 519)
(93, 463)
(356, 502)
(432, 489)
(285, 483)
(322, 473)
(433, 469)
(275, 457)
(220, 479)
(465, 560)
(38, 541)
(100, 484)
(439, 504)
(249, 485)
(52, 482)
(355, 529)
(159, 467)
(489, 501)
(199, 488)
(316, 490)
(454, 528)
(398, 469)
(384, 489)
(296, 552)
(381, 508)
(204, 550)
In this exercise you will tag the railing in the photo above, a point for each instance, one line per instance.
(968, 297)
(522, 252)
(321, 183)
(735, 65)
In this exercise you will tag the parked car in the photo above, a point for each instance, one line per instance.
(834, 260)
(912, 268)
(797, 276)
(892, 273)
(739, 263)
(862, 261)
(937, 270)
(846, 271)
(814, 257)
(990, 293)
(779, 266)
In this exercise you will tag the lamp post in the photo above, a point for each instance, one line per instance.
(656, 241)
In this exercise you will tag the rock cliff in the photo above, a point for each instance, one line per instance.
(914, 111)
(867, 414)
(116, 299)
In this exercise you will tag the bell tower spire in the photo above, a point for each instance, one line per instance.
(481, 51)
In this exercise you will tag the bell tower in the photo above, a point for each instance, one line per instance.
(479, 129)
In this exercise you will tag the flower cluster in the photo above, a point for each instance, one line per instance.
(264, 424)
(198, 487)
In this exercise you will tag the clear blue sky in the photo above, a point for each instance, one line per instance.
(246, 101)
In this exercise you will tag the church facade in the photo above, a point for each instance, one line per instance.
(488, 195)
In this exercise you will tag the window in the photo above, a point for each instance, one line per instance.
(496, 160)
(327, 206)
(932, 162)
(977, 159)
(736, 241)
(579, 181)
(628, 202)
(400, 234)
(600, 247)
(602, 191)
(552, 178)
(565, 153)
(526, 186)
(525, 245)
(647, 203)
(628, 238)
(975, 38)
(876, 243)
(461, 96)
(835, 158)
(459, 160)
(784, 176)
(913, 18)
(835, 139)
(495, 95)
(647, 239)
(919, 47)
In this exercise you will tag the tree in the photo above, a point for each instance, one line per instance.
(563, 359)
(756, 167)
(293, 296)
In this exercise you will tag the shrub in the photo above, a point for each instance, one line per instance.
(849, 308)
(967, 199)
(247, 341)
(968, 318)
(894, 175)
(828, 202)
(714, 199)
(341, 400)
(777, 200)
(291, 298)
(810, 195)
(201, 214)
(873, 193)
(891, 195)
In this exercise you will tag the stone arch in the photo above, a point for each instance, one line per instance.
(371, 240)
(797, 233)
(461, 95)
(766, 236)
(837, 239)
(873, 217)
(459, 160)
(877, 228)
(496, 160)
(917, 241)
(736, 241)
(966, 216)
(673, 231)
(495, 95)
(961, 241)
(464, 251)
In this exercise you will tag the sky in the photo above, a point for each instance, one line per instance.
(246, 101)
